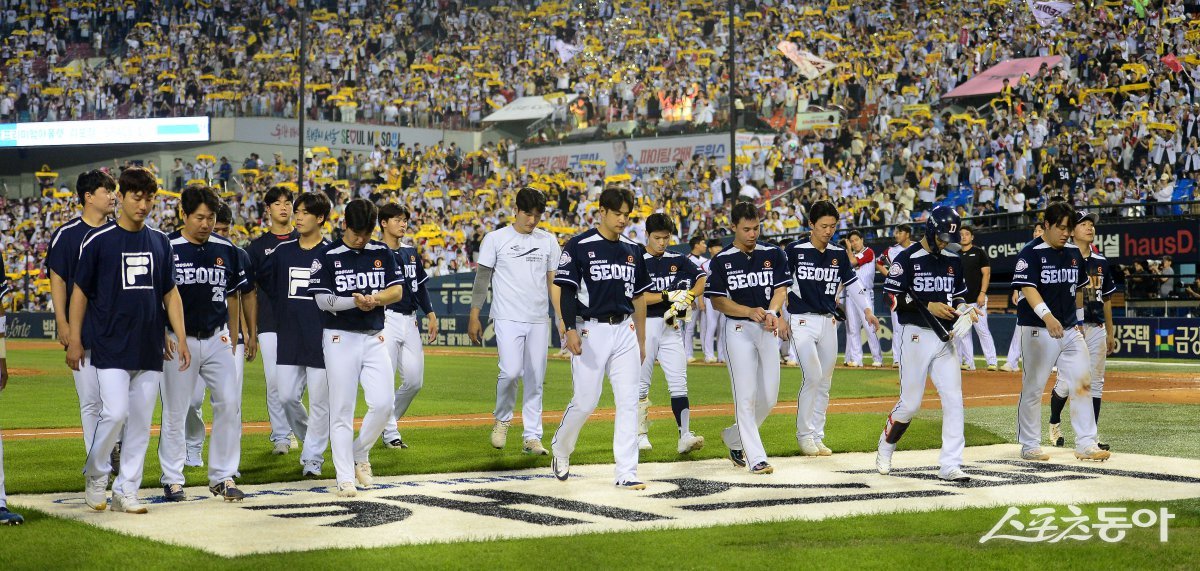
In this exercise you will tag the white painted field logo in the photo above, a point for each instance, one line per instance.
(449, 508)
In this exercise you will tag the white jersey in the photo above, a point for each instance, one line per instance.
(520, 262)
(893, 251)
(701, 262)
(865, 268)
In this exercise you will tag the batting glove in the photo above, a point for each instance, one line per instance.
(962, 326)
(682, 295)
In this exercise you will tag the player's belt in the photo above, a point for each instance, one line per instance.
(611, 319)
(204, 333)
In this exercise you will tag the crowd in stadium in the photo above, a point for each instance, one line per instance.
(1112, 123)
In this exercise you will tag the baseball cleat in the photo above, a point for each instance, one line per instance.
(282, 447)
(644, 442)
(95, 492)
(193, 459)
(534, 447)
(822, 449)
(1093, 453)
(853, 364)
(312, 469)
(1009, 368)
(808, 446)
(561, 468)
(691, 359)
(738, 457)
(792, 363)
(293, 442)
(689, 442)
(228, 490)
(883, 456)
(955, 475)
(171, 493)
(1103, 446)
(710, 360)
(631, 485)
(895, 364)
(1056, 435)
(362, 473)
(500, 433)
(762, 468)
(1036, 455)
(395, 443)
(564, 353)
(9, 518)
(114, 460)
(128, 504)
(877, 364)
(347, 490)
(992, 367)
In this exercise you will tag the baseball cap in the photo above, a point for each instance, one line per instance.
(1080, 216)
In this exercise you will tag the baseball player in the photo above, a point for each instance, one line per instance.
(696, 255)
(278, 203)
(124, 293)
(675, 282)
(352, 281)
(209, 278)
(1098, 331)
(97, 192)
(602, 276)
(926, 286)
(903, 236)
(863, 260)
(978, 272)
(1012, 362)
(1051, 274)
(300, 361)
(819, 270)
(749, 286)
(714, 321)
(401, 326)
(7, 517)
(518, 261)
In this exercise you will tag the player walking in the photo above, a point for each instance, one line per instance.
(518, 261)
(353, 280)
(903, 236)
(978, 272)
(1012, 362)
(400, 324)
(278, 202)
(863, 260)
(1052, 275)
(209, 279)
(675, 282)
(714, 321)
(7, 517)
(300, 361)
(928, 275)
(123, 282)
(749, 286)
(97, 192)
(819, 271)
(602, 276)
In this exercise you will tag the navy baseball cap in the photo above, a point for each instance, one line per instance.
(1080, 216)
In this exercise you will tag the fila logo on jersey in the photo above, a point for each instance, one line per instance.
(752, 279)
(298, 282)
(818, 274)
(1062, 276)
(137, 269)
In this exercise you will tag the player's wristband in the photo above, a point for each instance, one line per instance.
(773, 312)
(1041, 310)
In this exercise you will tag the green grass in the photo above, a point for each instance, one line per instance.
(944, 539)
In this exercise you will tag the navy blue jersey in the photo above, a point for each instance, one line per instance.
(285, 274)
(413, 270)
(669, 272)
(63, 254)
(748, 279)
(125, 276)
(344, 271)
(247, 286)
(206, 273)
(259, 249)
(925, 278)
(1055, 274)
(608, 274)
(4, 287)
(816, 276)
(1100, 285)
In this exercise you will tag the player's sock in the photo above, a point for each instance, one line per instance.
(1056, 407)
(1096, 407)
(680, 406)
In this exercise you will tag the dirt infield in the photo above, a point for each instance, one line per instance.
(980, 388)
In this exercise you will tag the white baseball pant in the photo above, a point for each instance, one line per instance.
(193, 425)
(3, 496)
(664, 343)
(126, 408)
(1071, 356)
(268, 344)
(722, 347)
(522, 350)
(926, 356)
(966, 343)
(856, 323)
(311, 426)
(814, 338)
(897, 338)
(1014, 348)
(87, 386)
(607, 350)
(689, 334)
(351, 358)
(1096, 338)
(407, 356)
(754, 374)
(212, 362)
(709, 331)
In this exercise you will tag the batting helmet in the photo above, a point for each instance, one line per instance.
(944, 224)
